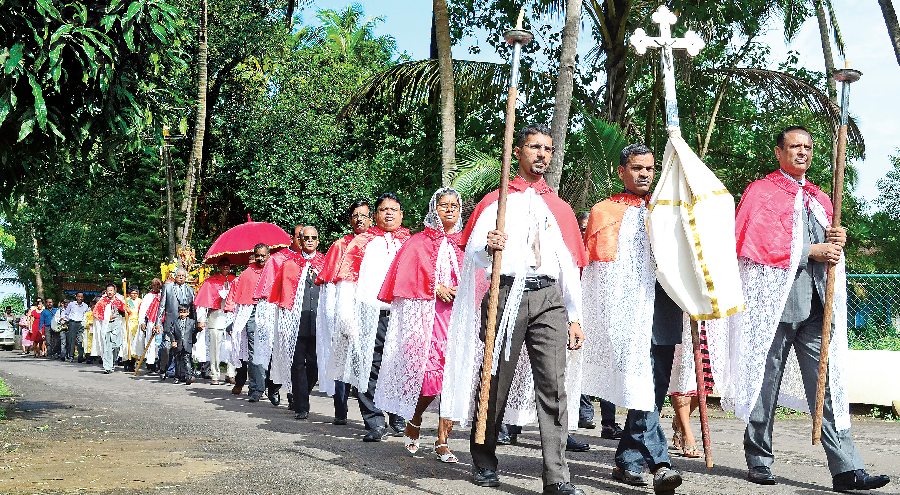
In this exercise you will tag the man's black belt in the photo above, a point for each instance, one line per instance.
(531, 283)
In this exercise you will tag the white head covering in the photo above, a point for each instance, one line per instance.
(433, 220)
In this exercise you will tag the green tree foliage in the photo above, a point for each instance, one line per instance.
(16, 301)
(77, 75)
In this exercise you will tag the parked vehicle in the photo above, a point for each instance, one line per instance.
(7, 335)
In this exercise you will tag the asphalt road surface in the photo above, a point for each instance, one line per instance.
(72, 429)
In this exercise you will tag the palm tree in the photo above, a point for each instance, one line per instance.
(448, 112)
(893, 27)
(565, 82)
(349, 34)
(196, 157)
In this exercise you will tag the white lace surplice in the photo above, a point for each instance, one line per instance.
(684, 374)
(739, 344)
(264, 340)
(286, 336)
(200, 349)
(618, 319)
(464, 353)
(240, 344)
(353, 342)
(408, 343)
(324, 334)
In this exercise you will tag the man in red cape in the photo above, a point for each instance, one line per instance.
(304, 371)
(539, 306)
(278, 314)
(361, 320)
(360, 220)
(631, 325)
(785, 242)
(241, 305)
(211, 316)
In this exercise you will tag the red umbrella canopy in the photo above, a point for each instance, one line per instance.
(237, 242)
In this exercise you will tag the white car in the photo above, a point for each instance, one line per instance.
(7, 335)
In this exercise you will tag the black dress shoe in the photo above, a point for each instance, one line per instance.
(302, 415)
(503, 438)
(611, 432)
(375, 434)
(761, 475)
(340, 421)
(254, 397)
(587, 424)
(485, 477)
(573, 445)
(562, 489)
(858, 480)
(275, 397)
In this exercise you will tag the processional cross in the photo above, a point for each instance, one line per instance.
(691, 42)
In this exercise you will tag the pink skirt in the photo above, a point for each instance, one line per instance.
(434, 368)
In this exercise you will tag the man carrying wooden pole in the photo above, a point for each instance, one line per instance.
(529, 239)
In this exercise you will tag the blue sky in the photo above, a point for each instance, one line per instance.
(865, 36)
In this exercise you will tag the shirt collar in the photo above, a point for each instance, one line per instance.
(802, 181)
(519, 184)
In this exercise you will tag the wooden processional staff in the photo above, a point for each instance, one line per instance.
(517, 37)
(845, 76)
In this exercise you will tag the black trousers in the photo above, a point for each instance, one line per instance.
(304, 372)
(184, 369)
(372, 416)
(73, 335)
(52, 342)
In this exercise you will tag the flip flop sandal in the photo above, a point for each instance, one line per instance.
(448, 458)
(412, 444)
(691, 451)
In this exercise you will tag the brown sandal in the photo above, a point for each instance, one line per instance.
(677, 437)
(691, 451)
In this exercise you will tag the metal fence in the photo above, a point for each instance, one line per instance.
(873, 301)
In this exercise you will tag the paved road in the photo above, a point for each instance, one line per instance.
(201, 439)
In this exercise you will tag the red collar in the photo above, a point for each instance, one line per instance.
(436, 234)
(626, 198)
(519, 184)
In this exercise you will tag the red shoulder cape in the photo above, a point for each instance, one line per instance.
(154, 307)
(284, 290)
(271, 270)
(242, 290)
(764, 221)
(601, 237)
(329, 272)
(100, 307)
(208, 295)
(353, 256)
(561, 210)
(412, 273)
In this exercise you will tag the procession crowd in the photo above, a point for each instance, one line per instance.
(399, 319)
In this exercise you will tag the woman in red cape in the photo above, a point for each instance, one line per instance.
(421, 286)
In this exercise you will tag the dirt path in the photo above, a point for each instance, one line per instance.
(73, 429)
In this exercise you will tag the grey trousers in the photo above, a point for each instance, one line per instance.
(111, 345)
(542, 325)
(806, 339)
(255, 372)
